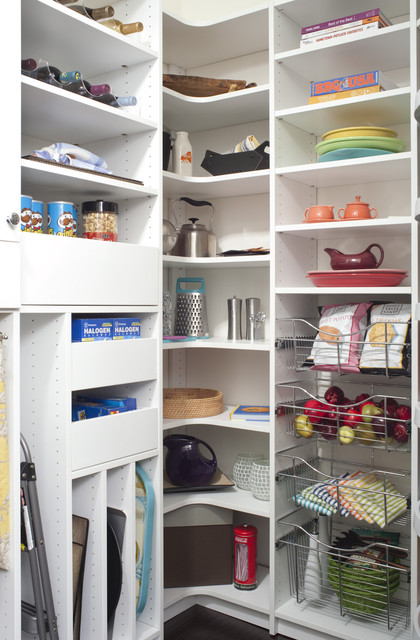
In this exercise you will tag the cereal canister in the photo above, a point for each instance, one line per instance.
(26, 213)
(60, 218)
(37, 216)
(245, 557)
(100, 220)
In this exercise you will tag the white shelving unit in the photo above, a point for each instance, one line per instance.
(218, 123)
(84, 467)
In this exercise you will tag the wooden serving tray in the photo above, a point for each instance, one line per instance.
(198, 87)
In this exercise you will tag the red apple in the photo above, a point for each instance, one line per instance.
(391, 405)
(403, 412)
(361, 397)
(329, 431)
(382, 427)
(315, 411)
(401, 432)
(351, 418)
(334, 395)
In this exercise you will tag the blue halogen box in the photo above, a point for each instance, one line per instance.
(126, 328)
(90, 329)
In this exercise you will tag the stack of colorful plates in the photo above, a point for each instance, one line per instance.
(358, 142)
(357, 277)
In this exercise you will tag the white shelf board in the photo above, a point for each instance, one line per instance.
(393, 166)
(48, 182)
(257, 599)
(195, 44)
(318, 618)
(186, 113)
(400, 290)
(220, 262)
(146, 632)
(379, 109)
(225, 186)
(219, 343)
(385, 49)
(221, 420)
(69, 113)
(228, 498)
(49, 26)
(306, 12)
(400, 225)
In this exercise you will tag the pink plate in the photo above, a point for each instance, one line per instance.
(357, 278)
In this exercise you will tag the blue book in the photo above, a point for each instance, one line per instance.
(251, 413)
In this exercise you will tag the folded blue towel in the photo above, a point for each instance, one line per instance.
(70, 154)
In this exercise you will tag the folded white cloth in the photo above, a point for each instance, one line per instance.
(72, 155)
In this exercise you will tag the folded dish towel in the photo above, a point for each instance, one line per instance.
(70, 154)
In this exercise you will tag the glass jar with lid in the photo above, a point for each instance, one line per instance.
(100, 220)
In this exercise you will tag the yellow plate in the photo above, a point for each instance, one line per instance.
(359, 131)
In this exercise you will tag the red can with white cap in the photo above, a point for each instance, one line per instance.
(245, 557)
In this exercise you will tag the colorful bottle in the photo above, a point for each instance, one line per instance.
(182, 154)
(125, 29)
(84, 88)
(52, 75)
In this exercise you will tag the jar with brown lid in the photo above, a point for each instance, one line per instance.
(100, 220)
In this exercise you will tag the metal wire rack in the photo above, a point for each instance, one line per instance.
(370, 580)
(300, 335)
(377, 497)
(378, 433)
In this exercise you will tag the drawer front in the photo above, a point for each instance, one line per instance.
(102, 440)
(72, 271)
(103, 364)
(10, 269)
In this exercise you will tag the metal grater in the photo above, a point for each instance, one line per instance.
(191, 310)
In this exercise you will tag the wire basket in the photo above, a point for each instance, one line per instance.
(191, 403)
(357, 492)
(370, 581)
(377, 432)
(300, 334)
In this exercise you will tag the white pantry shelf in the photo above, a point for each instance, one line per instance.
(228, 498)
(386, 291)
(386, 49)
(381, 109)
(69, 112)
(219, 262)
(187, 113)
(393, 166)
(195, 44)
(218, 342)
(224, 186)
(257, 599)
(390, 226)
(60, 183)
(220, 420)
(48, 25)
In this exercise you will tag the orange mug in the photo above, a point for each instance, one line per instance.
(319, 213)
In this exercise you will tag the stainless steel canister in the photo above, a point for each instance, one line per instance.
(254, 319)
(234, 318)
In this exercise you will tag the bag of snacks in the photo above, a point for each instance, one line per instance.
(387, 342)
(340, 337)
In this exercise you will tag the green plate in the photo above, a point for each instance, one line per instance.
(371, 142)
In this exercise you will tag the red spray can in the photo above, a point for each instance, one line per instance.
(245, 557)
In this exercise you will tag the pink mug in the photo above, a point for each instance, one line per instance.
(319, 213)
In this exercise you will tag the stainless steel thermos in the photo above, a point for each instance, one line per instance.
(234, 318)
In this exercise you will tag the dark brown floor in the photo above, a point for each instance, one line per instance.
(200, 623)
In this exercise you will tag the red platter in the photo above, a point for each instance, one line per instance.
(357, 278)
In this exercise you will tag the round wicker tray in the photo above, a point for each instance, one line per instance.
(191, 403)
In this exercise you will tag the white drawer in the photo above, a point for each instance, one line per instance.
(103, 363)
(101, 440)
(69, 271)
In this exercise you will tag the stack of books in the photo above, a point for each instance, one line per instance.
(335, 30)
(357, 84)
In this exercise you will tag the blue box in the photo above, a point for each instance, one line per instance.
(88, 410)
(129, 404)
(126, 328)
(91, 329)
